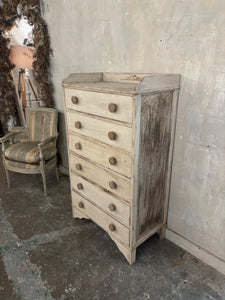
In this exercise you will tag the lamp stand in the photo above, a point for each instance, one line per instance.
(24, 89)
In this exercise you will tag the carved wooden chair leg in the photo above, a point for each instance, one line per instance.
(42, 163)
(44, 182)
(57, 173)
(3, 160)
(7, 177)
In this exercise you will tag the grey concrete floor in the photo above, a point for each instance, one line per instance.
(46, 254)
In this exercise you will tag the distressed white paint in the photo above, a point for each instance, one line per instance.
(173, 36)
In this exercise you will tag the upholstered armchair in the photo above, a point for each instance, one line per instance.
(37, 153)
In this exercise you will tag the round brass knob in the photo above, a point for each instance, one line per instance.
(112, 227)
(81, 204)
(78, 146)
(112, 135)
(112, 161)
(112, 207)
(78, 167)
(112, 107)
(78, 125)
(112, 185)
(80, 186)
(74, 100)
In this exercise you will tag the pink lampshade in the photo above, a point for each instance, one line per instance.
(22, 56)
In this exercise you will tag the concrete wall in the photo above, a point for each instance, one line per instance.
(168, 36)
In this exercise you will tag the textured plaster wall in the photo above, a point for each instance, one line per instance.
(168, 36)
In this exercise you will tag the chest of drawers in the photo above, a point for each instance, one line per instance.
(120, 132)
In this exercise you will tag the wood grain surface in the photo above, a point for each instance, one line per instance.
(155, 133)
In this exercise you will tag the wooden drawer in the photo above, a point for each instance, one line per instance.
(113, 134)
(120, 232)
(116, 184)
(102, 154)
(116, 208)
(98, 104)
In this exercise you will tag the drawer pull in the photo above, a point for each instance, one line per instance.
(78, 146)
(112, 161)
(74, 100)
(81, 204)
(112, 107)
(112, 207)
(78, 167)
(112, 227)
(80, 186)
(78, 125)
(112, 135)
(112, 185)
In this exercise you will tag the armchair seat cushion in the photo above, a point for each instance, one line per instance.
(22, 166)
(28, 152)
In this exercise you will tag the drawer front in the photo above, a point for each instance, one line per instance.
(116, 208)
(107, 156)
(113, 134)
(101, 104)
(116, 184)
(119, 231)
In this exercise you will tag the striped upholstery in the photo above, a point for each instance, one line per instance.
(41, 123)
(20, 137)
(28, 152)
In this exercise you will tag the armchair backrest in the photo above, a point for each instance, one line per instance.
(41, 123)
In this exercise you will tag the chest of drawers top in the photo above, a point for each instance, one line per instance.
(106, 86)
(122, 83)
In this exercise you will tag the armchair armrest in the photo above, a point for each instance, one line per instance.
(9, 137)
(13, 132)
(17, 128)
(51, 139)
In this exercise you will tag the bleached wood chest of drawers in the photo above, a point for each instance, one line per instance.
(120, 132)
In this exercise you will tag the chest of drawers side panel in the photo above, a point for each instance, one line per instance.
(67, 139)
(153, 163)
(170, 159)
(66, 126)
(135, 167)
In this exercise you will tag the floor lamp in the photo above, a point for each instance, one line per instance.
(22, 58)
